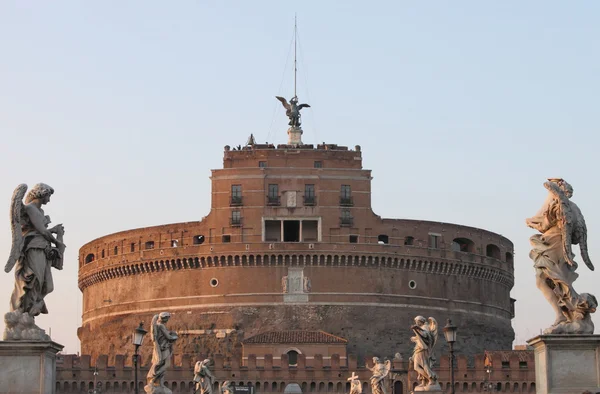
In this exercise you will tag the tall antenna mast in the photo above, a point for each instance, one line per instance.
(295, 62)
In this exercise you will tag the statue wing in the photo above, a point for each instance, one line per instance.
(284, 102)
(303, 106)
(433, 328)
(566, 220)
(387, 368)
(16, 210)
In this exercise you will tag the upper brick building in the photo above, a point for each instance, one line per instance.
(292, 243)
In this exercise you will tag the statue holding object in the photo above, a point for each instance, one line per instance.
(292, 110)
(203, 378)
(426, 334)
(35, 250)
(561, 225)
(380, 371)
(162, 341)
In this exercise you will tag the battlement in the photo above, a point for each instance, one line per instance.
(511, 371)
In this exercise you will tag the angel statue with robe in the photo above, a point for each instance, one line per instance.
(426, 334)
(292, 110)
(561, 225)
(35, 250)
(203, 378)
(380, 371)
(162, 341)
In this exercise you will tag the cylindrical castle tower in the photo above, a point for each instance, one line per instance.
(291, 243)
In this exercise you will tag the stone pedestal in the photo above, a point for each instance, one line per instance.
(566, 364)
(28, 367)
(294, 136)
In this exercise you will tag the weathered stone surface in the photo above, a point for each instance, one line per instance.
(28, 367)
(566, 363)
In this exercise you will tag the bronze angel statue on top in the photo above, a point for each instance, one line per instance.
(292, 110)
(561, 225)
(426, 334)
(35, 250)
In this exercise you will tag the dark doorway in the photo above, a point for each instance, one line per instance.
(398, 389)
(291, 231)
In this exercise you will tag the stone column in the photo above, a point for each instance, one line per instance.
(566, 363)
(28, 367)
(294, 136)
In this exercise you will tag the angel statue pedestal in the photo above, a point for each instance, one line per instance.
(294, 136)
(28, 367)
(566, 364)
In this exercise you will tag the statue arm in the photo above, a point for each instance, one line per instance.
(38, 222)
(544, 220)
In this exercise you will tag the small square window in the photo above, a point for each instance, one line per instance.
(354, 239)
(226, 238)
(318, 164)
(262, 164)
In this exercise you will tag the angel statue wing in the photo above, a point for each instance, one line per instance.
(303, 106)
(16, 210)
(387, 368)
(284, 102)
(571, 224)
(433, 329)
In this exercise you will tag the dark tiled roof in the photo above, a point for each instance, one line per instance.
(295, 337)
(524, 355)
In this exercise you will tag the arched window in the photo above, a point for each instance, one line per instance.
(89, 258)
(102, 253)
(409, 240)
(313, 387)
(292, 358)
(383, 239)
(492, 251)
(116, 251)
(463, 245)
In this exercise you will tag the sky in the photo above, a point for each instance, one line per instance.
(462, 110)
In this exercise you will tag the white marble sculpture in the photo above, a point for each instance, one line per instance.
(426, 334)
(204, 379)
(355, 384)
(162, 342)
(227, 387)
(380, 371)
(561, 225)
(35, 250)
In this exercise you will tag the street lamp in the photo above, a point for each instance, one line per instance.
(450, 334)
(138, 339)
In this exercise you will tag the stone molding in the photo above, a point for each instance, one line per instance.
(408, 263)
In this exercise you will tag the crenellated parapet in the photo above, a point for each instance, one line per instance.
(512, 371)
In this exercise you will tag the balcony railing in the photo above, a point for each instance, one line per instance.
(235, 222)
(235, 201)
(310, 201)
(346, 221)
(346, 201)
(273, 200)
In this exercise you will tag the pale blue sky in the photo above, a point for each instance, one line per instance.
(462, 109)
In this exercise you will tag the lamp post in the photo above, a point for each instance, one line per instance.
(138, 339)
(450, 334)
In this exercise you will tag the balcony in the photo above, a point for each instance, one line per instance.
(346, 201)
(310, 201)
(346, 221)
(235, 201)
(235, 222)
(273, 201)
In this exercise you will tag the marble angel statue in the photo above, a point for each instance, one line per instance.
(203, 378)
(36, 249)
(380, 371)
(162, 341)
(426, 334)
(355, 384)
(561, 225)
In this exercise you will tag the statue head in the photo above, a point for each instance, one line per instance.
(376, 360)
(164, 316)
(41, 191)
(420, 320)
(563, 185)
